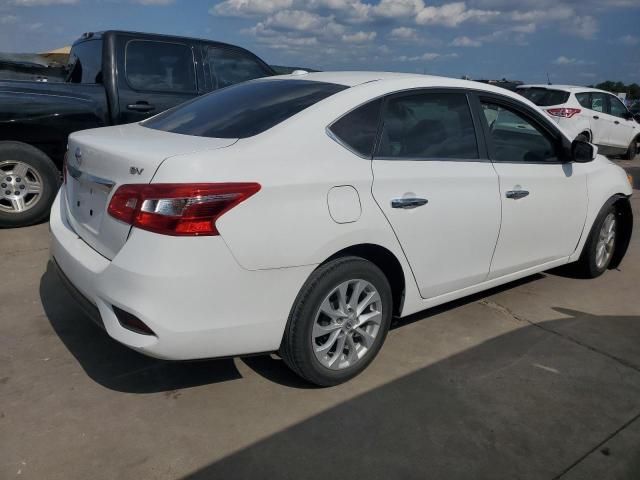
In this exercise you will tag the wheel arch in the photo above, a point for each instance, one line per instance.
(386, 261)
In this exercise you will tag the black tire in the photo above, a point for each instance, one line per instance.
(49, 178)
(297, 345)
(587, 266)
(632, 151)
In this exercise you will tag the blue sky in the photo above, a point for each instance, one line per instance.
(575, 41)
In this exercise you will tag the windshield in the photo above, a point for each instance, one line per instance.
(243, 110)
(544, 97)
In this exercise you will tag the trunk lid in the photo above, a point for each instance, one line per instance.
(101, 160)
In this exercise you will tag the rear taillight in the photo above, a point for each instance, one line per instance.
(176, 208)
(563, 112)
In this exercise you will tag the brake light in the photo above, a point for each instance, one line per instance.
(176, 208)
(563, 112)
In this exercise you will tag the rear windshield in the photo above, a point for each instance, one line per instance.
(243, 110)
(544, 97)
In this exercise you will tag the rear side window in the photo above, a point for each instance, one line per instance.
(358, 128)
(85, 62)
(159, 66)
(584, 99)
(617, 108)
(544, 97)
(428, 125)
(243, 110)
(229, 66)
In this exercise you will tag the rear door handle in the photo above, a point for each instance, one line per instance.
(516, 194)
(408, 202)
(617, 122)
(141, 107)
(596, 117)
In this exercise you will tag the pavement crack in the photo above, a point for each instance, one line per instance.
(609, 437)
(506, 311)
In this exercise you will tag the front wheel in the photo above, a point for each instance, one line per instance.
(338, 322)
(632, 151)
(28, 184)
(600, 246)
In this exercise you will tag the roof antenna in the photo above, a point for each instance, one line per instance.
(548, 79)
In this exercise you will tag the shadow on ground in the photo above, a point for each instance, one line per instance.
(119, 368)
(527, 404)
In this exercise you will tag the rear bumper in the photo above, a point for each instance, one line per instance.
(190, 291)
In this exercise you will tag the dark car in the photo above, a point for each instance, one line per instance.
(113, 77)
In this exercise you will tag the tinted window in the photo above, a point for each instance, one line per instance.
(358, 128)
(617, 107)
(228, 66)
(544, 97)
(85, 62)
(584, 99)
(515, 138)
(243, 110)
(159, 66)
(428, 125)
(597, 102)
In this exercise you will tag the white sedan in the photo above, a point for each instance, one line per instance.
(298, 214)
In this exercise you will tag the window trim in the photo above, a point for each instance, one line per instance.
(174, 92)
(561, 143)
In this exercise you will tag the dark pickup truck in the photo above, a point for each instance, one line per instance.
(113, 78)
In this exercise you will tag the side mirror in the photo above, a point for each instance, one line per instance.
(583, 152)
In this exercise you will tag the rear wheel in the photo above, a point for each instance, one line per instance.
(632, 151)
(339, 321)
(28, 184)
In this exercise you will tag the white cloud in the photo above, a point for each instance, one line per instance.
(427, 57)
(563, 60)
(154, 2)
(250, 7)
(585, 27)
(465, 42)
(398, 8)
(629, 40)
(8, 19)
(359, 37)
(452, 14)
(404, 33)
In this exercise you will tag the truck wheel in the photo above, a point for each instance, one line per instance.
(29, 182)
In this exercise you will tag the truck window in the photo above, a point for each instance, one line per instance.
(159, 66)
(85, 62)
(230, 66)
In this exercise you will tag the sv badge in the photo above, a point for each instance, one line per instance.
(136, 170)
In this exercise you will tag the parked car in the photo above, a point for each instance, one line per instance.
(598, 116)
(113, 78)
(298, 214)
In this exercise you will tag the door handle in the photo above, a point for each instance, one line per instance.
(617, 122)
(141, 107)
(596, 117)
(408, 202)
(517, 194)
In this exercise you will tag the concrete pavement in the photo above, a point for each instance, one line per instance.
(537, 379)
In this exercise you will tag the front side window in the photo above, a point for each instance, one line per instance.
(243, 110)
(428, 125)
(514, 138)
(617, 107)
(85, 62)
(159, 66)
(358, 128)
(229, 66)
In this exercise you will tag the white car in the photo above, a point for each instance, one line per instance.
(298, 214)
(598, 116)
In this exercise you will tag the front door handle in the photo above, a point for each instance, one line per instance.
(617, 122)
(408, 202)
(141, 107)
(596, 117)
(516, 194)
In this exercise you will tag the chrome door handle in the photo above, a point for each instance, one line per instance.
(408, 203)
(516, 194)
